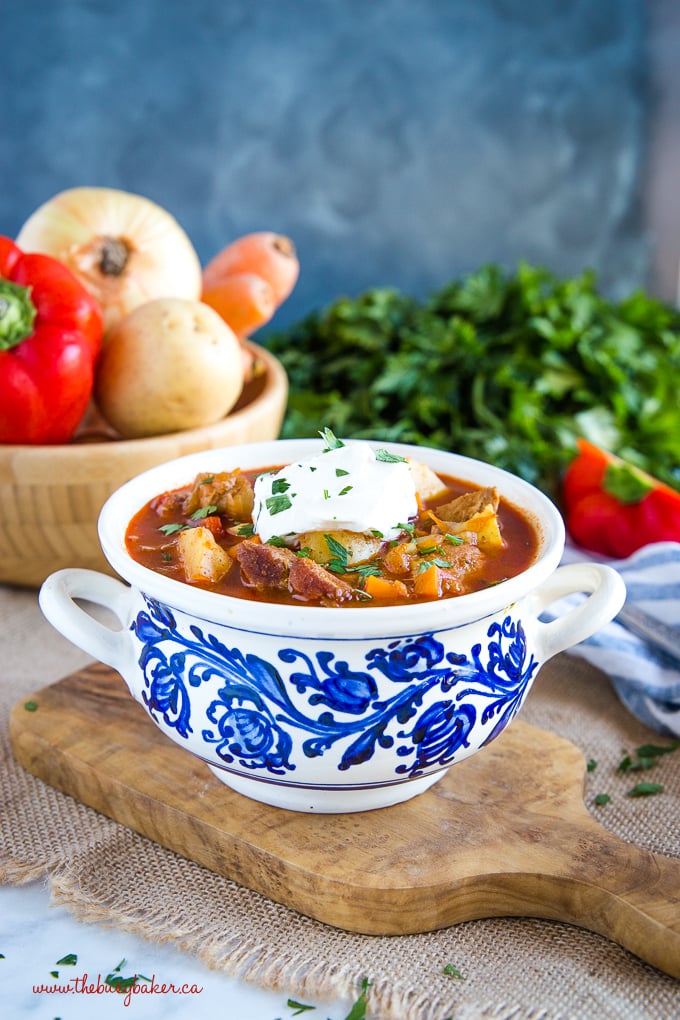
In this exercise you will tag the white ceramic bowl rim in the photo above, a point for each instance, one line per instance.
(321, 621)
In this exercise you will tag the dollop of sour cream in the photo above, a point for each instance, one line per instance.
(350, 487)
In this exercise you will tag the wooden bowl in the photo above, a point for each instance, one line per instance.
(51, 496)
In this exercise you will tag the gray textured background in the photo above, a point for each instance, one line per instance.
(397, 142)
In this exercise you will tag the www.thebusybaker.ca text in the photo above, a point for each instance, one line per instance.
(146, 986)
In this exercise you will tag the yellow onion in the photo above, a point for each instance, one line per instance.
(125, 249)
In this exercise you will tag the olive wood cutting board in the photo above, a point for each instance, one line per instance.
(504, 833)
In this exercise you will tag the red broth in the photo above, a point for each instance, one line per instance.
(152, 540)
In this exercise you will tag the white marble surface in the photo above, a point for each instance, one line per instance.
(34, 935)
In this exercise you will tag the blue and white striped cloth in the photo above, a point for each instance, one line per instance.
(647, 680)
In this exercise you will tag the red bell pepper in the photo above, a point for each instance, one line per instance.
(612, 507)
(50, 336)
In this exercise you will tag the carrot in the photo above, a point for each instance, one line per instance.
(382, 588)
(270, 256)
(428, 584)
(244, 300)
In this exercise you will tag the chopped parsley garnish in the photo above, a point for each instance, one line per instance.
(645, 757)
(331, 440)
(197, 515)
(171, 529)
(452, 971)
(276, 541)
(601, 798)
(389, 458)
(365, 570)
(343, 492)
(454, 539)
(298, 1007)
(204, 511)
(245, 530)
(358, 1010)
(437, 561)
(208, 480)
(326, 494)
(646, 789)
(340, 472)
(277, 504)
(280, 485)
(70, 960)
(339, 555)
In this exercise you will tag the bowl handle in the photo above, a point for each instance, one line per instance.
(606, 594)
(57, 601)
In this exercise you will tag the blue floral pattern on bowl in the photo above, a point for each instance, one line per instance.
(410, 695)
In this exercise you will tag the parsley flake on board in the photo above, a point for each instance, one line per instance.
(452, 971)
(601, 798)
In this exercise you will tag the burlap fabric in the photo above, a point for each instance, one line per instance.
(524, 969)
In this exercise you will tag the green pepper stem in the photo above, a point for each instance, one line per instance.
(17, 314)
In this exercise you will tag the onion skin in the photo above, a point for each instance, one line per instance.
(124, 248)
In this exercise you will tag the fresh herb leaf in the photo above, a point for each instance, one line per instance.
(70, 960)
(365, 570)
(646, 789)
(280, 485)
(452, 971)
(208, 480)
(298, 1007)
(172, 529)
(339, 555)
(389, 458)
(645, 757)
(31, 706)
(454, 539)
(656, 750)
(506, 366)
(245, 530)
(601, 798)
(277, 504)
(276, 541)
(358, 1010)
(340, 472)
(203, 512)
(331, 440)
(592, 765)
(343, 492)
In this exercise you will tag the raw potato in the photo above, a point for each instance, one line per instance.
(171, 364)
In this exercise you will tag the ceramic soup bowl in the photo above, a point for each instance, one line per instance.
(321, 709)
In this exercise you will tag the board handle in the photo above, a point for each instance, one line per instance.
(57, 599)
(619, 890)
(606, 593)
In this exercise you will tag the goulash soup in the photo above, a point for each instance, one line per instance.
(351, 526)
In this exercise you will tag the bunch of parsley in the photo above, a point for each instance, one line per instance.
(507, 367)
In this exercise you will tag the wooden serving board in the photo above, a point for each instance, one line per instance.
(504, 833)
